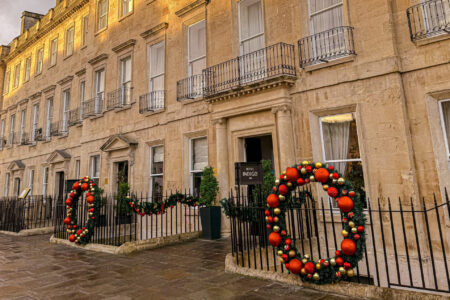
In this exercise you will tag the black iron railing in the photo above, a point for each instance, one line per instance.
(37, 135)
(93, 107)
(75, 117)
(152, 101)
(118, 223)
(24, 138)
(21, 214)
(59, 128)
(190, 87)
(406, 243)
(274, 61)
(429, 19)
(326, 46)
(119, 98)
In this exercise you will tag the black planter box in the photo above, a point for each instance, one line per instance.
(210, 217)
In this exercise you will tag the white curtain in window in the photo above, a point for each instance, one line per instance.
(336, 139)
(157, 67)
(158, 154)
(251, 26)
(197, 48)
(200, 154)
(326, 14)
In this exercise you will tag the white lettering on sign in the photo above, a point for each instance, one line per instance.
(250, 173)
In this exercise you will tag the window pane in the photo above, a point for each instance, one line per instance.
(157, 59)
(198, 66)
(158, 160)
(196, 181)
(446, 119)
(326, 14)
(250, 19)
(157, 188)
(197, 41)
(200, 154)
(340, 139)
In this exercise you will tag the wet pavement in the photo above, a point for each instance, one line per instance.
(32, 268)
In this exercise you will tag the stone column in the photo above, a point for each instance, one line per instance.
(222, 167)
(286, 139)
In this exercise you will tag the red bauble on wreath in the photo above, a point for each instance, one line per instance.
(350, 206)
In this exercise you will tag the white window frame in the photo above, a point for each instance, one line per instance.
(39, 60)
(49, 117)
(191, 161)
(17, 75)
(123, 4)
(313, 14)
(70, 36)
(45, 181)
(152, 176)
(92, 158)
(99, 89)
(7, 82)
(66, 111)
(53, 51)
(31, 182)
(151, 77)
(23, 114)
(125, 85)
(101, 15)
(27, 68)
(35, 122)
(2, 132)
(12, 125)
(247, 3)
(77, 169)
(444, 129)
(82, 97)
(193, 60)
(7, 183)
(85, 30)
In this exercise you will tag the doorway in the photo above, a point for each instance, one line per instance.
(60, 185)
(121, 172)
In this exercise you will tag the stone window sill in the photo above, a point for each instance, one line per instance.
(432, 39)
(63, 136)
(333, 62)
(125, 107)
(96, 117)
(126, 16)
(194, 100)
(151, 113)
(52, 66)
(101, 30)
(68, 56)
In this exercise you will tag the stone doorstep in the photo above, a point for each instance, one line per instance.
(343, 288)
(30, 232)
(130, 247)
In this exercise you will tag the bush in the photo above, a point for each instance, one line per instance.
(123, 208)
(209, 187)
(268, 182)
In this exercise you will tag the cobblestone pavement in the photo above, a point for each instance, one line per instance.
(32, 268)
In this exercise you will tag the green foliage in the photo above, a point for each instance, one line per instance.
(208, 187)
(123, 208)
(268, 181)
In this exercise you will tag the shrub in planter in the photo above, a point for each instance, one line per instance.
(209, 213)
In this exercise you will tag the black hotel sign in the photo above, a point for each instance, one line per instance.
(248, 173)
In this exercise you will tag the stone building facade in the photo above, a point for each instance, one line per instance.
(159, 89)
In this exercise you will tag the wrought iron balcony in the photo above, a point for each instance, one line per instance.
(190, 87)
(268, 63)
(152, 101)
(75, 117)
(13, 139)
(59, 128)
(119, 98)
(429, 19)
(37, 135)
(24, 138)
(326, 46)
(93, 107)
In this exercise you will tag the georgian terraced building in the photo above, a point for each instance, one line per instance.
(155, 90)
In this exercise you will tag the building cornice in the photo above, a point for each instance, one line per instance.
(154, 30)
(188, 8)
(49, 89)
(35, 95)
(54, 17)
(81, 72)
(65, 80)
(98, 59)
(123, 46)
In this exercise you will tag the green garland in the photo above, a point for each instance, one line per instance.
(82, 235)
(160, 207)
(327, 270)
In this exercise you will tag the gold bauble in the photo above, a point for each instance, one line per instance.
(284, 173)
(303, 272)
(318, 165)
(306, 256)
(304, 261)
(285, 177)
(267, 219)
(334, 181)
(303, 171)
(354, 230)
(281, 198)
(325, 187)
(345, 233)
(341, 181)
(318, 266)
(87, 230)
(277, 211)
(316, 276)
(350, 273)
(305, 162)
(331, 176)
(277, 182)
(292, 253)
(333, 262)
(312, 178)
(276, 228)
(276, 219)
(289, 184)
(73, 231)
(341, 270)
(280, 252)
(351, 224)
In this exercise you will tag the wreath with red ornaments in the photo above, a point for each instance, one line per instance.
(325, 270)
(76, 234)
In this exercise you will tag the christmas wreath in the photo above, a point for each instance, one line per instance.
(326, 270)
(160, 207)
(82, 235)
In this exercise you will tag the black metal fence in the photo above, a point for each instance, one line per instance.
(94, 106)
(429, 19)
(22, 214)
(325, 46)
(152, 101)
(119, 98)
(190, 87)
(273, 61)
(118, 223)
(406, 239)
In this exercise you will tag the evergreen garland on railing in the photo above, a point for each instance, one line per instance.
(160, 207)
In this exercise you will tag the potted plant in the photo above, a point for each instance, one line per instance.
(209, 212)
